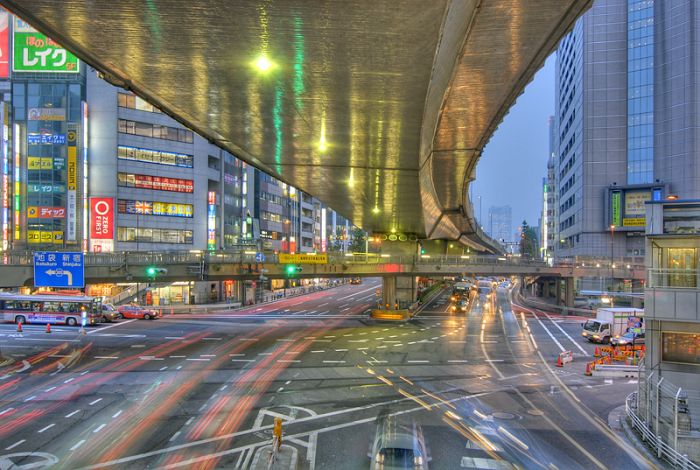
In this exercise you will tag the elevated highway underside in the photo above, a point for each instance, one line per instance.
(376, 107)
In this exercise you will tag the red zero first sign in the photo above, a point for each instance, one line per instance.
(101, 218)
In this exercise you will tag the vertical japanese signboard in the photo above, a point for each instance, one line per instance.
(34, 52)
(101, 224)
(211, 221)
(4, 44)
(616, 203)
(72, 184)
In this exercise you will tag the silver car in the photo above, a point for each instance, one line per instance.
(398, 446)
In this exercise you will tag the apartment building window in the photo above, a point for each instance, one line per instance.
(156, 131)
(155, 156)
(156, 183)
(154, 235)
(682, 265)
(680, 347)
(271, 216)
(127, 100)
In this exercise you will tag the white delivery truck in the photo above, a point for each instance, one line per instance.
(612, 322)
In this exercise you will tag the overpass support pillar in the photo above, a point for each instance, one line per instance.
(569, 291)
(399, 290)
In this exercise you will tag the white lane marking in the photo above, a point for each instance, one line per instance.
(329, 336)
(95, 401)
(457, 341)
(280, 389)
(549, 333)
(30, 398)
(265, 354)
(334, 362)
(417, 361)
(111, 326)
(322, 341)
(99, 428)
(73, 413)
(174, 436)
(49, 389)
(138, 345)
(198, 359)
(174, 337)
(178, 368)
(15, 445)
(84, 372)
(78, 444)
(288, 361)
(288, 382)
(116, 415)
(106, 357)
(340, 350)
(362, 349)
(6, 410)
(284, 339)
(46, 428)
(247, 339)
(177, 357)
(224, 387)
(567, 334)
(163, 368)
(400, 344)
(323, 305)
(237, 354)
(494, 360)
(318, 351)
(381, 347)
(242, 360)
(460, 361)
(211, 339)
(207, 355)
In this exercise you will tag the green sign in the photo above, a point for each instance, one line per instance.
(616, 200)
(34, 52)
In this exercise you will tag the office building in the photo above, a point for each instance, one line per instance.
(500, 224)
(549, 233)
(626, 131)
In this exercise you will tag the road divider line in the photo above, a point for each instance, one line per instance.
(116, 415)
(95, 401)
(73, 413)
(111, 326)
(99, 428)
(15, 445)
(78, 444)
(566, 334)
(46, 428)
(549, 333)
(174, 436)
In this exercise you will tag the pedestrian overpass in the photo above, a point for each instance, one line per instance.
(380, 108)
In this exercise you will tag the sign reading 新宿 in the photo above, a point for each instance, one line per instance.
(34, 52)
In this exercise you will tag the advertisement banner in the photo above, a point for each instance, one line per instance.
(41, 212)
(101, 246)
(34, 52)
(46, 114)
(616, 202)
(72, 183)
(634, 222)
(46, 139)
(101, 218)
(634, 203)
(4, 44)
(39, 163)
(306, 258)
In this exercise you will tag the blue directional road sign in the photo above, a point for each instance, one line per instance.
(259, 257)
(58, 269)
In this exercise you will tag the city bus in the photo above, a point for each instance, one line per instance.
(62, 309)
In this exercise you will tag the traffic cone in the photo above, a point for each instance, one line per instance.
(19, 327)
(597, 352)
(48, 327)
(588, 369)
(559, 363)
(172, 311)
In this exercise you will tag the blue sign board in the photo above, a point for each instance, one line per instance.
(259, 257)
(58, 269)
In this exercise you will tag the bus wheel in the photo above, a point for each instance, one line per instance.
(71, 321)
(20, 319)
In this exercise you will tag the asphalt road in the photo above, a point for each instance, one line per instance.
(201, 391)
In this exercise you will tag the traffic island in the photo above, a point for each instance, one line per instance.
(286, 458)
(390, 315)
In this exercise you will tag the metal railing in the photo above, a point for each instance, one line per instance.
(662, 415)
(673, 278)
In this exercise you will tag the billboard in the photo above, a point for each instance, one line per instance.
(627, 206)
(305, 258)
(32, 51)
(4, 44)
(101, 218)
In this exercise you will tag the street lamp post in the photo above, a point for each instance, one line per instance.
(612, 260)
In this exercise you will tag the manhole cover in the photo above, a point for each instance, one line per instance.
(535, 412)
(502, 415)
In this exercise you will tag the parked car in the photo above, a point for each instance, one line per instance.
(135, 311)
(109, 313)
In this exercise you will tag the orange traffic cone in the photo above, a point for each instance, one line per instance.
(588, 369)
(48, 327)
(19, 327)
(559, 363)
(597, 352)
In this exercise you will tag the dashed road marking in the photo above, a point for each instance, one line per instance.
(15, 444)
(46, 428)
(73, 413)
(99, 428)
(334, 362)
(116, 415)
(95, 401)
(78, 444)
(174, 436)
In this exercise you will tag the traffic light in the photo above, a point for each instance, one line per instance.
(153, 271)
(292, 269)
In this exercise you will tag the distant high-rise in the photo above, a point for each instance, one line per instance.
(500, 223)
(626, 128)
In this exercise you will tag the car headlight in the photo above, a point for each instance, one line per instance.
(584, 334)
(596, 336)
(379, 458)
(418, 461)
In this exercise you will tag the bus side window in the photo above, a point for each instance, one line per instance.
(37, 306)
(71, 308)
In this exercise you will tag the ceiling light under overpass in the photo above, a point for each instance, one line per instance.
(263, 63)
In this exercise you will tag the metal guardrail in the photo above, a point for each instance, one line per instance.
(662, 449)
(673, 278)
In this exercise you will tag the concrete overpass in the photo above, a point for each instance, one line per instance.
(376, 107)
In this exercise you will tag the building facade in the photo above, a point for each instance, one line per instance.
(626, 130)
(500, 224)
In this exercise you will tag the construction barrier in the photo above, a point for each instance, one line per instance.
(390, 315)
(628, 355)
(564, 358)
